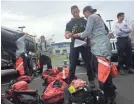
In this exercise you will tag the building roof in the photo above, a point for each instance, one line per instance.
(61, 43)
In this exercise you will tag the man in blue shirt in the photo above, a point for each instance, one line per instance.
(124, 47)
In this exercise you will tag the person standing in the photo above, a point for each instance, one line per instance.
(100, 46)
(124, 47)
(44, 54)
(75, 25)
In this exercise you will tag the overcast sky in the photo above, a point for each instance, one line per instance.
(50, 17)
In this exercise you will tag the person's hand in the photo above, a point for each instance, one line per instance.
(68, 34)
(110, 36)
(76, 36)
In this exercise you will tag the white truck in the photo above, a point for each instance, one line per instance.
(114, 57)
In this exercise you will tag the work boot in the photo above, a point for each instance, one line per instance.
(131, 71)
(112, 101)
(91, 84)
(122, 72)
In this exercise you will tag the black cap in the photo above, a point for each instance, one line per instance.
(90, 9)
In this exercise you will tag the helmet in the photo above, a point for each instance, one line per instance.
(78, 85)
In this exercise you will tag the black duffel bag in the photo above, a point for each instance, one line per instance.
(26, 97)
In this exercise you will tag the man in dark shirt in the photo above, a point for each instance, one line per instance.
(77, 25)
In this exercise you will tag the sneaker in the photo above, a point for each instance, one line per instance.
(111, 100)
(122, 72)
(91, 84)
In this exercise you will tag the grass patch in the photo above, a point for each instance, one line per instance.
(54, 58)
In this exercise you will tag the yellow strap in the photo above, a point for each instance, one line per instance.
(71, 89)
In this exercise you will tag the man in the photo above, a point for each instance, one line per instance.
(75, 25)
(100, 46)
(44, 54)
(124, 48)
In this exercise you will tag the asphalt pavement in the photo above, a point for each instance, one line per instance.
(124, 84)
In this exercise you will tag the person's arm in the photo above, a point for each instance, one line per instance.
(68, 31)
(88, 29)
(127, 30)
(48, 45)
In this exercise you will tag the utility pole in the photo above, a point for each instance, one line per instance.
(22, 27)
(109, 21)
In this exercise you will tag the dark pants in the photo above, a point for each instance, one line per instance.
(45, 60)
(86, 55)
(66, 95)
(124, 51)
(108, 88)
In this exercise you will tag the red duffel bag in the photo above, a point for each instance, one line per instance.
(56, 72)
(54, 92)
(50, 72)
(21, 85)
(26, 78)
(64, 74)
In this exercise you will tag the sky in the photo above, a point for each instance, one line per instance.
(50, 17)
